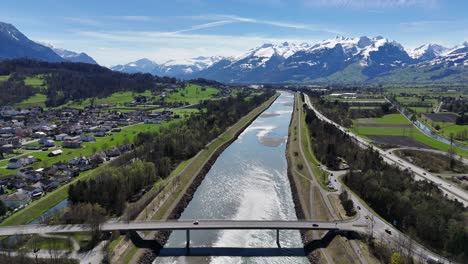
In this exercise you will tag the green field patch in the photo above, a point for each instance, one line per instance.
(38, 99)
(4, 77)
(192, 94)
(116, 99)
(35, 81)
(392, 119)
(364, 127)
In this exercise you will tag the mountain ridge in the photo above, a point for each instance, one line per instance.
(363, 58)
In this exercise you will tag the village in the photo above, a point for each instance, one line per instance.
(23, 132)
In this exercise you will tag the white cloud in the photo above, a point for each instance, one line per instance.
(206, 25)
(281, 24)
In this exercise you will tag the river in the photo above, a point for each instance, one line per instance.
(247, 182)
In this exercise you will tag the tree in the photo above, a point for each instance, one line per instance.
(396, 258)
(3, 207)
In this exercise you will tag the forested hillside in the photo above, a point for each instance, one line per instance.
(71, 81)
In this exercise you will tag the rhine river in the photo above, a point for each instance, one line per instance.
(247, 182)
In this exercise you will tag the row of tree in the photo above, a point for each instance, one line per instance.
(156, 154)
(14, 90)
(418, 208)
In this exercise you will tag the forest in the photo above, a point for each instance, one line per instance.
(417, 208)
(72, 81)
(157, 154)
(14, 90)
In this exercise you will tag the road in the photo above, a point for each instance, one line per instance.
(324, 195)
(459, 158)
(377, 224)
(185, 225)
(452, 191)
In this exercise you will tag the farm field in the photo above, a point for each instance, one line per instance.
(397, 125)
(118, 99)
(4, 77)
(192, 94)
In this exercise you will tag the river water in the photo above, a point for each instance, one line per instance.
(247, 182)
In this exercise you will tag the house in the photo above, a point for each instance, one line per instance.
(152, 121)
(48, 184)
(114, 152)
(7, 148)
(55, 153)
(87, 138)
(49, 143)
(29, 174)
(75, 161)
(60, 137)
(70, 138)
(39, 134)
(71, 144)
(100, 133)
(15, 200)
(98, 158)
(14, 164)
(61, 178)
(16, 183)
(32, 191)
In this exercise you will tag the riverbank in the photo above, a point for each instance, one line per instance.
(310, 198)
(189, 178)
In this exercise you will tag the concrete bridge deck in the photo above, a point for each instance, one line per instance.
(185, 225)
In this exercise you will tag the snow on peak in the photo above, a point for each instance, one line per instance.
(200, 62)
(425, 49)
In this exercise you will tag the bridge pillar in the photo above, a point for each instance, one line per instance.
(278, 238)
(187, 235)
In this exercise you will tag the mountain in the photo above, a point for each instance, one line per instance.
(171, 68)
(14, 44)
(339, 59)
(74, 56)
(427, 52)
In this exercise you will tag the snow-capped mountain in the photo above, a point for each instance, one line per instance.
(70, 56)
(169, 68)
(337, 59)
(456, 56)
(427, 52)
(142, 65)
(14, 44)
(74, 56)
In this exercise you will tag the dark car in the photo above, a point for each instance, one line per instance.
(315, 225)
(388, 231)
(195, 222)
(45, 149)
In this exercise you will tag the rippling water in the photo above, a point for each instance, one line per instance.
(247, 182)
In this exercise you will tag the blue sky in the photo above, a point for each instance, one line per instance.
(115, 32)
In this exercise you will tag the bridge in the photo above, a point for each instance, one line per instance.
(186, 225)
